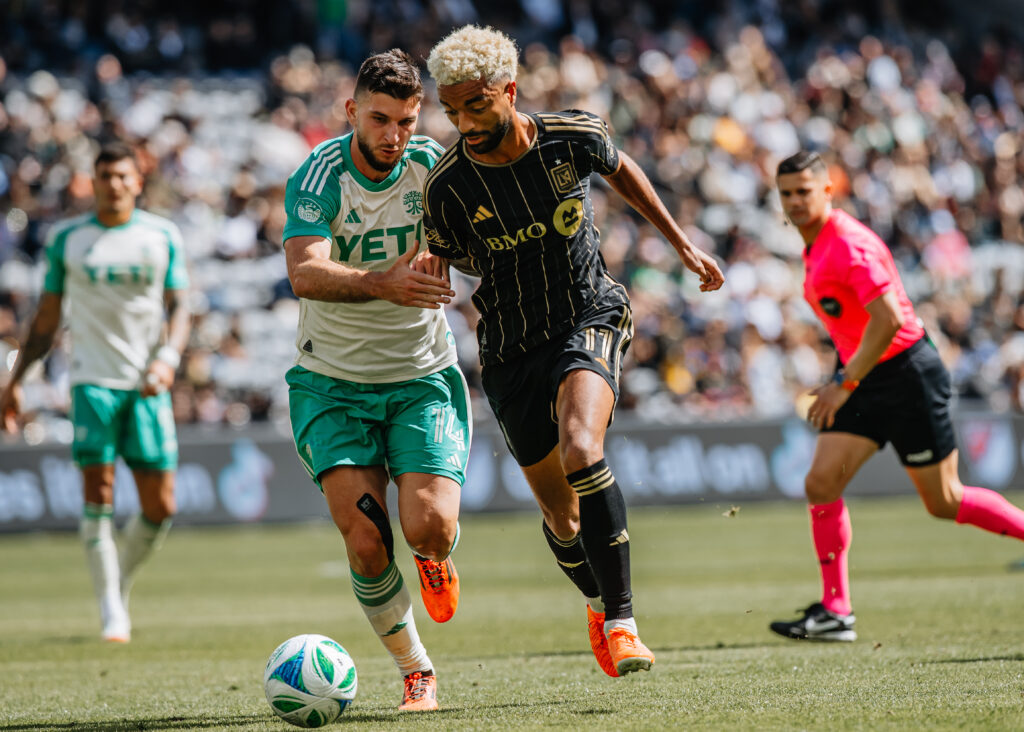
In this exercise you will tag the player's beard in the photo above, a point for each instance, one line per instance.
(492, 138)
(371, 158)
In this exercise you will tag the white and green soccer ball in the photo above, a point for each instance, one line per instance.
(309, 680)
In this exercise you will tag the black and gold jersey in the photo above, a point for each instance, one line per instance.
(527, 228)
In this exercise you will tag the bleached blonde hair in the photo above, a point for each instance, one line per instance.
(470, 53)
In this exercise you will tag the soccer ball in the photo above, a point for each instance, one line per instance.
(309, 680)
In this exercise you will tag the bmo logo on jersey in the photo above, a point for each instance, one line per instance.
(536, 230)
(567, 219)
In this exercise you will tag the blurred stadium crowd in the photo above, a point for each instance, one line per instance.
(923, 128)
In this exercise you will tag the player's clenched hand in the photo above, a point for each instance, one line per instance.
(403, 285)
(158, 378)
(10, 408)
(705, 267)
(830, 397)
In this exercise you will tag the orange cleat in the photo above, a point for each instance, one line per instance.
(598, 642)
(628, 653)
(420, 693)
(439, 587)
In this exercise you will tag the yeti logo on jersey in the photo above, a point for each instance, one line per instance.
(308, 210)
(413, 201)
(564, 177)
(569, 216)
(831, 306)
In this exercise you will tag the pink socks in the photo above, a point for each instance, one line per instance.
(988, 510)
(830, 527)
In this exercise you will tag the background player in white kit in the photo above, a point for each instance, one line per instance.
(376, 392)
(123, 273)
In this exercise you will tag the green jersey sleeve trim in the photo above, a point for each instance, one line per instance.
(177, 271)
(312, 195)
(53, 281)
(424, 151)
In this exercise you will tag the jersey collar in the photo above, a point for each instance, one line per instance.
(96, 220)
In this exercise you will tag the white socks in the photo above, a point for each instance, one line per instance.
(385, 601)
(139, 539)
(112, 579)
(96, 530)
(627, 623)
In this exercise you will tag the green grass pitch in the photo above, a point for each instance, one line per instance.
(941, 625)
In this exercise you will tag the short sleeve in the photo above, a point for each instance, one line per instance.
(440, 239)
(53, 281)
(867, 276)
(312, 196)
(592, 134)
(177, 271)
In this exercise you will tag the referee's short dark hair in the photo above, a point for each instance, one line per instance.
(802, 160)
(393, 73)
(111, 152)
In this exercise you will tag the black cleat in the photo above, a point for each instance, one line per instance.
(818, 624)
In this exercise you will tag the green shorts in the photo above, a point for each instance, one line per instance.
(112, 422)
(420, 426)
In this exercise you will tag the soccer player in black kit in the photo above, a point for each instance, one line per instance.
(510, 203)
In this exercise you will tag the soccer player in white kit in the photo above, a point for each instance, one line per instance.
(376, 393)
(122, 272)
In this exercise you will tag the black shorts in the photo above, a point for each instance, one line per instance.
(905, 401)
(522, 391)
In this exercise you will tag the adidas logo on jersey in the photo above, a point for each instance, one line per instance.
(482, 214)
(353, 217)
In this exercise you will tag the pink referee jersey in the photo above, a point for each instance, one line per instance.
(845, 268)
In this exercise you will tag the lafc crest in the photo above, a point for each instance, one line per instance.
(564, 177)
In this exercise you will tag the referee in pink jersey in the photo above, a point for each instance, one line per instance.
(891, 387)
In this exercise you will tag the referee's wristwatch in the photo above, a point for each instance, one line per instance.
(839, 379)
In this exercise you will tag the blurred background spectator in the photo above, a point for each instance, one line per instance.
(922, 124)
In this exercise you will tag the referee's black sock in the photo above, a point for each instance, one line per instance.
(604, 536)
(573, 561)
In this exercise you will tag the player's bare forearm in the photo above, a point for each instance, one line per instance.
(179, 319)
(630, 182)
(315, 276)
(884, 322)
(40, 336)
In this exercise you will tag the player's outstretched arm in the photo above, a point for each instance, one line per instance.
(315, 276)
(37, 344)
(630, 182)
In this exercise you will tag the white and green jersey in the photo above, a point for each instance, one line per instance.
(112, 280)
(369, 225)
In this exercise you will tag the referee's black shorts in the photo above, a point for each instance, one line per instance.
(522, 391)
(905, 401)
